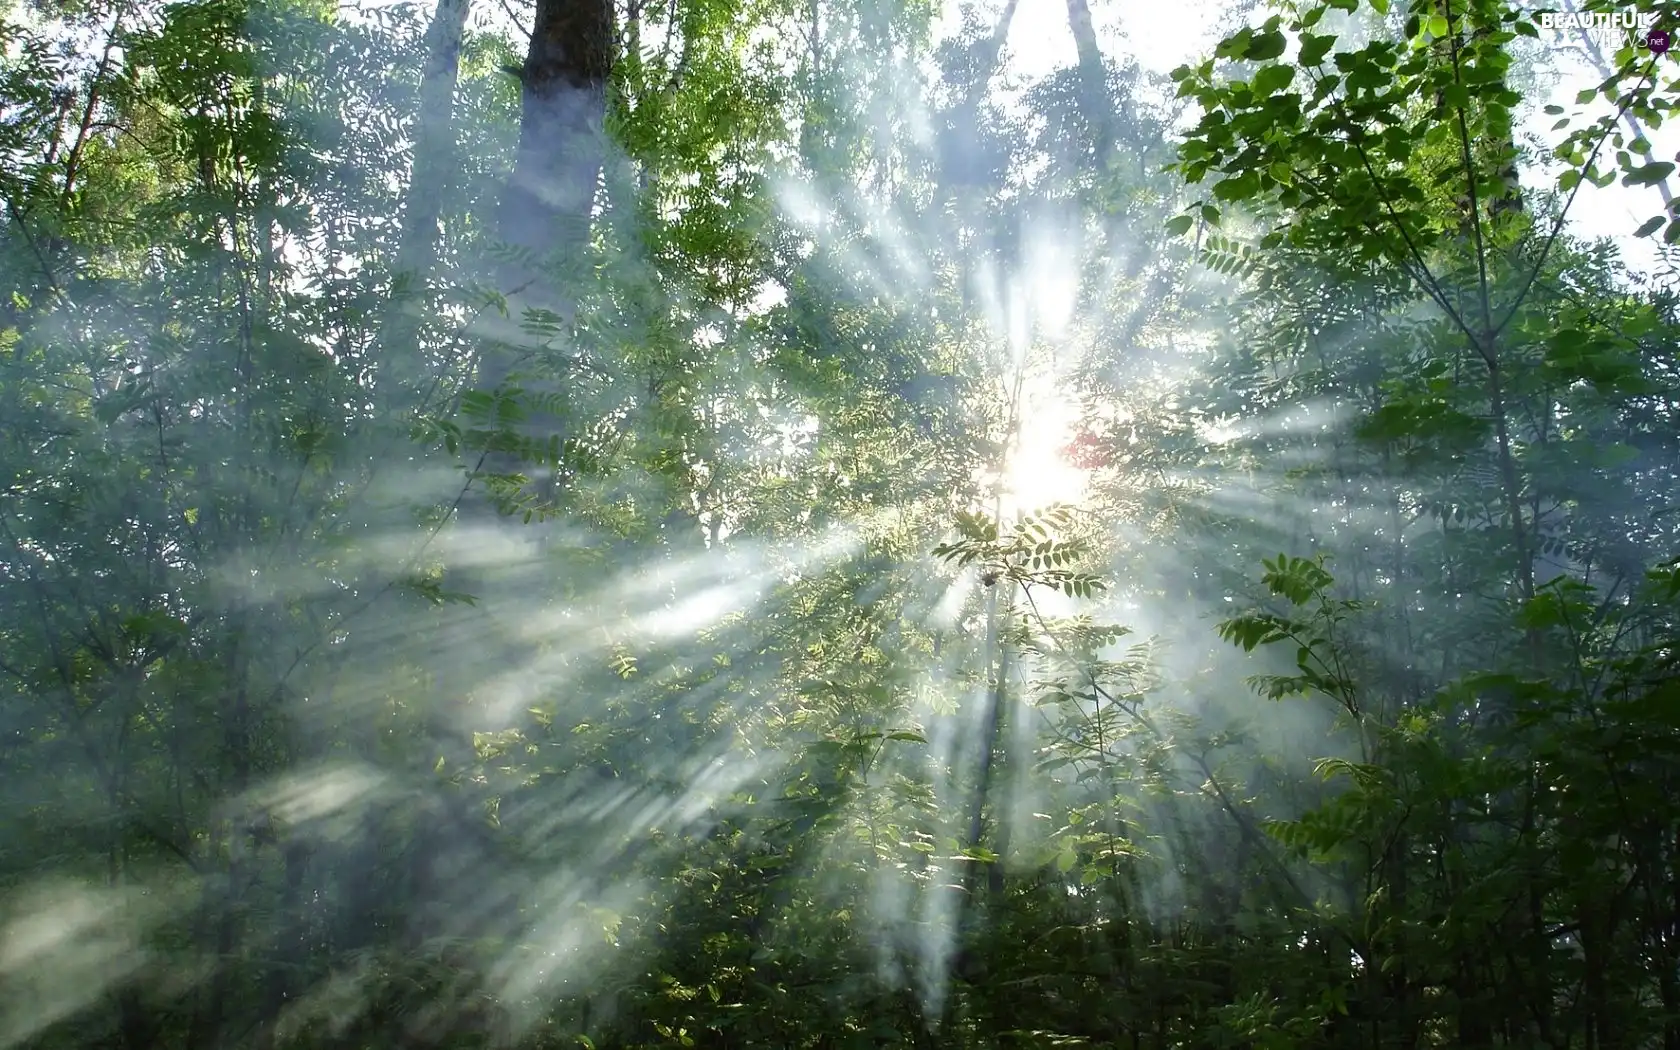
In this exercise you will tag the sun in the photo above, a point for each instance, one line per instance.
(1038, 473)
(1033, 317)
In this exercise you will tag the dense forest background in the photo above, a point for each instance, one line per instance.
(741, 523)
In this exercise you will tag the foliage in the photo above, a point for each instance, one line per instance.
(671, 688)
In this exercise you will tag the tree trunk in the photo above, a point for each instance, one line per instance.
(549, 199)
(966, 161)
(422, 208)
(1093, 74)
(544, 215)
(434, 137)
(546, 207)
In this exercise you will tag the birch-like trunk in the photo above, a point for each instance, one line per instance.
(422, 208)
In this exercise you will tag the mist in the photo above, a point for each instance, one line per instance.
(835, 525)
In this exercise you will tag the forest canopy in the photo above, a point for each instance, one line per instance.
(752, 524)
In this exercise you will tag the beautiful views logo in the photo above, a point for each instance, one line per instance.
(1609, 30)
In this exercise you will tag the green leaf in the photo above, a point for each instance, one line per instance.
(1314, 48)
(1269, 80)
(1242, 187)
(1266, 46)
(1179, 225)
(1235, 46)
(1437, 26)
(1649, 226)
(1648, 174)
